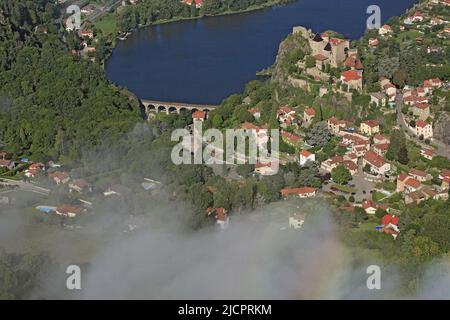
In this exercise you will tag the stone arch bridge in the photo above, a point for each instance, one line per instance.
(151, 106)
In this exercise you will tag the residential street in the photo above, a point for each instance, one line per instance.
(25, 186)
(441, 148)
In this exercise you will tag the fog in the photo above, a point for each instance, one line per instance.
(256, 257)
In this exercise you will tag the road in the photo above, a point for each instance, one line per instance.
(441, 149)
(26, 186)
(100, 12)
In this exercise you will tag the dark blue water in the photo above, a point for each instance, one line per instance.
(206, 60)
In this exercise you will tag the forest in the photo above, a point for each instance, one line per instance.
(51, 103)
(150, 11)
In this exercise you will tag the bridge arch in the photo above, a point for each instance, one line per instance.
(151, 108)
(173, 109)
(162, 109)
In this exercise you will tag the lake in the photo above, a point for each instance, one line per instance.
(206, 60)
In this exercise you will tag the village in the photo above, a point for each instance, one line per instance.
(358, 161)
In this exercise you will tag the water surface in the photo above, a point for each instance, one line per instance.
(206, 60)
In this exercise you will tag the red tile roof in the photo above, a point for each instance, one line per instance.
(310, 111)
(66, 209)
(199, 115)
(371, 123)
(421, 123)
(351, 75)
(305, 153)
(299, 191)
(387, 219)
(417, 172)
(413, 183)
(375, 159)
(290, 136)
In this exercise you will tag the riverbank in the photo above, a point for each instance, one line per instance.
(108, 23)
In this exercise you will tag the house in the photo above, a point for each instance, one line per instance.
(87, 9)
(330, 164)
(34, 169)
(118, 190)
(87, 34)
(417, 17)
(296, 222)
(427, 154)
(290, 138)
(385, 30)
(378, 165)
(413, 99)
(445, 173)
(370, 127)
(260, 133)
(423, 129)
(378, 98)
(371, 207)
(286, 116)
(306, 156)
(220, 215)
(9, 164)
(445, 183)
(373, 42)
(407, 184)
(419, 175)
(391, 91)
(434, 83)
(70, 211)
(352, 79)
(59, 177)
(381, 148)
(265, 169)
(383, 81)
(422, 110)
(256, 112)
(351, 166)
(321, 61)
(198, 3)
(304, 192)
(199, 116)
(354, 63)
(379, 139)
(389, 225)
(424, 194)
(80, 185)
(335, 125)
(435, 21)
(308, 116)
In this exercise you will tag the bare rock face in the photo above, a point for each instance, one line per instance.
(292, 42)
(442, 128)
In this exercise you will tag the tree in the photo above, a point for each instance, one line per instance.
(387, 66)
(319, 135)
(211, 7)
(397, 148)
(341, 174)
(310, 62)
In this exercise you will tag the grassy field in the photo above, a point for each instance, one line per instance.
(345, 189)
(107, 24)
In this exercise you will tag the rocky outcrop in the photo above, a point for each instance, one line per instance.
(442, 128)
(288, 46)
